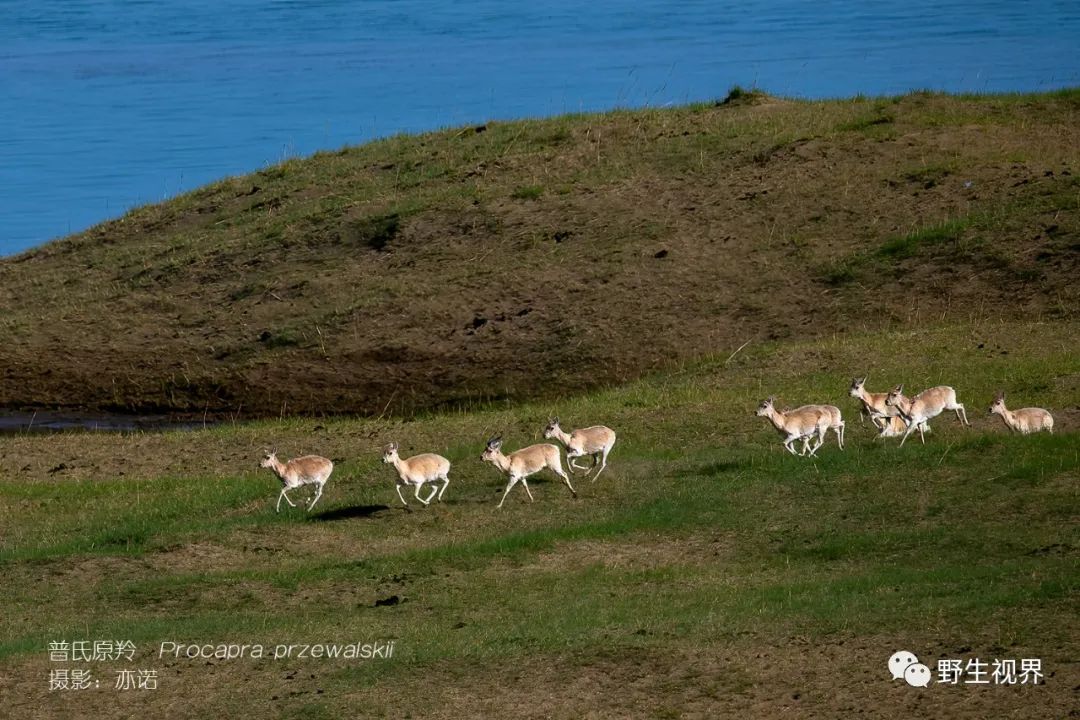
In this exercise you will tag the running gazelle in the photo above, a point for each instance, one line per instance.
(803, 423)
(595, 441)
(925, 406)
(418, 470)
(522, 463)
(306, 470)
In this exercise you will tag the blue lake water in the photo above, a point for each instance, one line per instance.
(106, 105)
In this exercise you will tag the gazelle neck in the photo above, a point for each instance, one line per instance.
(561, 435)
(776, 418)
(501, 461)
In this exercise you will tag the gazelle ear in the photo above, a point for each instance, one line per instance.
(899, 388)
(555, 420)
(1000, 395)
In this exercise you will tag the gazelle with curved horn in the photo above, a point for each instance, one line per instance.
(595, 441)
(523, 463)
(1024, 421)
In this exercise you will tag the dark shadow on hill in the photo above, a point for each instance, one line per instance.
(352, 511)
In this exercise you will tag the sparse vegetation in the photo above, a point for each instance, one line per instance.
(708, 207)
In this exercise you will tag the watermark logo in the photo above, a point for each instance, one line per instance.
(899, 662)
(904, 665)
(917, 675)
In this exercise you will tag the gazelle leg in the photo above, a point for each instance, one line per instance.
(401, 496)
(566, 479)
(314, 500)
(910, 428)
(416, 492)
(788, 445)
(283, 495)
(964, 413)
(572, 464)
(603, 463)
(840, 435)
(511, 483)
(528, 492)
(445, 482)
(434, 491)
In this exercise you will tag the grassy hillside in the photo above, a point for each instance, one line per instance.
(529, 259)
(706, 574)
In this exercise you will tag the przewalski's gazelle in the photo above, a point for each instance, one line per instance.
(925, 406)
(802, 423)
(886, 419)
(418, 470)
(306, 470)
(1024, 421)
(595, 441)
(523, 463)
(873, 404)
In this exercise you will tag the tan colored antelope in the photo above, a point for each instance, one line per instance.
(925, 406)
(306, 470)
(885, 418)
(800, 424)
(595, 441)
(873, 404)
(418, 470)
(523, 463)
(1024, 421)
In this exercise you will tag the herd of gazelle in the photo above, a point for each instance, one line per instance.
(429, 468)
(892, 413)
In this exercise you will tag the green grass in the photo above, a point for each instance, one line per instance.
(908, 245)
(703, 532)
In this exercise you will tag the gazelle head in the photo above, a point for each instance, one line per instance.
(998, 406)
(893, 398)
(552, 427)
(766, 407)
(492, 448)
(389, 453)
(269, 459)
(857, 386)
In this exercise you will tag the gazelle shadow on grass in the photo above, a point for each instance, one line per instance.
(709, 469)
(349, 511)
